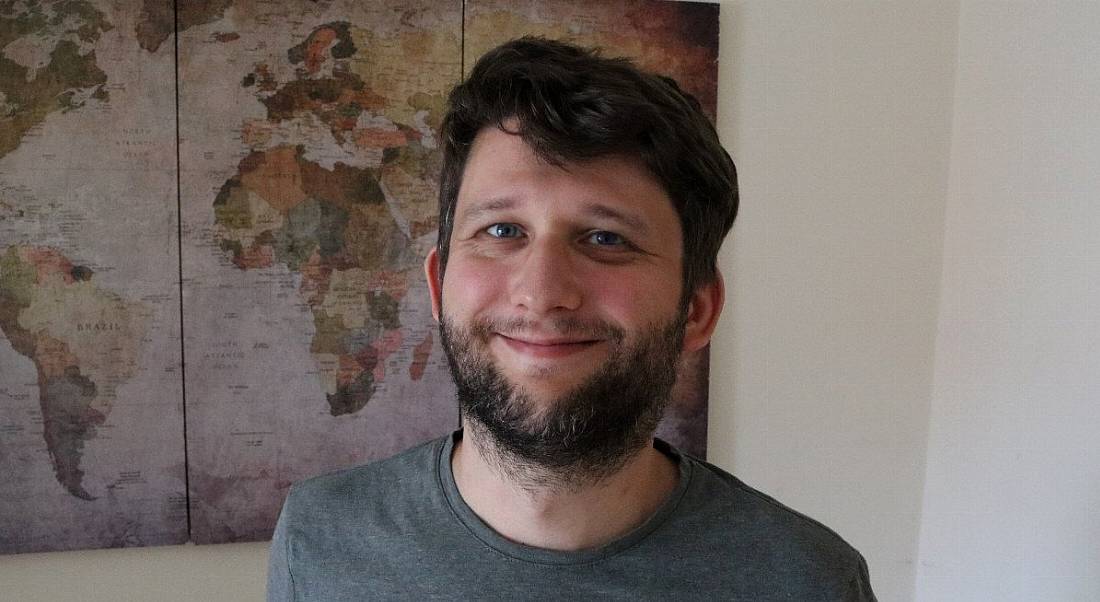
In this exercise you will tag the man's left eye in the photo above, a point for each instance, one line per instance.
(604, 238)
(503, 230)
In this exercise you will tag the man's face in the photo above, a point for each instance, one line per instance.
(561, 301)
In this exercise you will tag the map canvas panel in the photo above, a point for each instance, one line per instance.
(678, 39)
(91, 421)
(309, 158)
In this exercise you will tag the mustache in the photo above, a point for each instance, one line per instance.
(563, 326)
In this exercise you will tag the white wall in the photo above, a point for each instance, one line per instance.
(1013, 484)
(839, 117)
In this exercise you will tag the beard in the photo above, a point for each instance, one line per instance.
(583, 435)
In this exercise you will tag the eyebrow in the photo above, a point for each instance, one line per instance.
(493, 205)
(487, 206)
(604, 211)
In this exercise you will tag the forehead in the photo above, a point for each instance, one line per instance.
(504, 173)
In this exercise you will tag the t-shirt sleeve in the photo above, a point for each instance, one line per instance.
(280, 583)
(860, 589)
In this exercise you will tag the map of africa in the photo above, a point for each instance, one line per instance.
(174, 357)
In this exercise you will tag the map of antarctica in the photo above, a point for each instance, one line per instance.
(213, 219)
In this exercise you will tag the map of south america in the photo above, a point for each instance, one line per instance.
(81, 358)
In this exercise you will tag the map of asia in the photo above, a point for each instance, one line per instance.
(213, 217)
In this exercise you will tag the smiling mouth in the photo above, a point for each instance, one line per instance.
(549, 348)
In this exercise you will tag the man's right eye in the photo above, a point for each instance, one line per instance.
(503, 231)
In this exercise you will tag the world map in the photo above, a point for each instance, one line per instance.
(191, 319)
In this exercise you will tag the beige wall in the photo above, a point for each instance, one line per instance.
(1013, 482)
(839, 117)
(234, 572)
(832, 347)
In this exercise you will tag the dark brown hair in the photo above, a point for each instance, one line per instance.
(570, 104)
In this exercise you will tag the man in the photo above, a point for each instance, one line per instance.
(582, 206)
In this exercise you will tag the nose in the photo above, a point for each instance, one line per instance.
(545, 279)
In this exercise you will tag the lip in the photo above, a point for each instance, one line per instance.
(548, 347)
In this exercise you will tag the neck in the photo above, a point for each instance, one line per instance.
(534, 507)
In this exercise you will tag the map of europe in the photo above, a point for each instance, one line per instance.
(213, 217)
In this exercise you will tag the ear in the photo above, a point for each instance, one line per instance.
(435, 281)
(703, 311)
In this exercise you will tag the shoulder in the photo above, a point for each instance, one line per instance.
(330, 523)
(757, 532)
(352, 491)
(715, 492)
(763, 512)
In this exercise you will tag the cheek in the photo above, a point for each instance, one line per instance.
(468, 287)
(630, 299)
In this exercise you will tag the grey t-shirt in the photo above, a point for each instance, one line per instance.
(399, 530)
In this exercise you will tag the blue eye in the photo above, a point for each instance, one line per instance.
(606, 239)
(503, 231)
